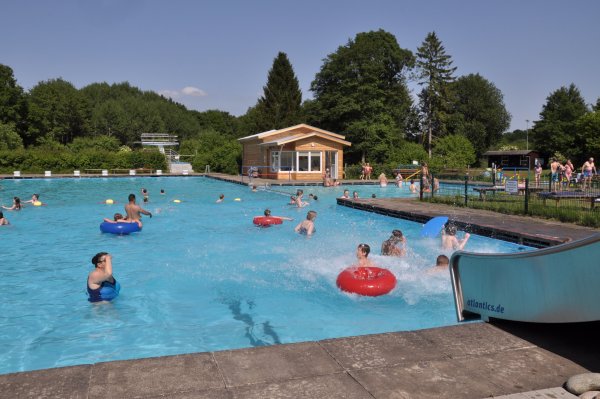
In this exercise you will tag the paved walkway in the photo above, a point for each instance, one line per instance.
(475, 360)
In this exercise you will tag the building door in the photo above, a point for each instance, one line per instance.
(331, 163)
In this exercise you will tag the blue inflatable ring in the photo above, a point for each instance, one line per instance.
(119, 228)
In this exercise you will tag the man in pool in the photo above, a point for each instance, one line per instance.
(441, 264)
(449, 240)
(362, 253)
(134, 211)
(101, 277)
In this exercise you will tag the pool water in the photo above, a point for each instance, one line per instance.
(200, 276)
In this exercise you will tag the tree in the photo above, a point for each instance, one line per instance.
(57, 111)
(9, 138)
(223, 154)
(13, 107)
(280, 104)
(556, 129)
(588, 130)
(435, 73)
(479, 112)
(361, 92)
(453, 151)
(219, 121)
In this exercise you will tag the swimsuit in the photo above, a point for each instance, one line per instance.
(106, 292)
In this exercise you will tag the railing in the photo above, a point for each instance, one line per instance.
(575, 201)
(261, 171)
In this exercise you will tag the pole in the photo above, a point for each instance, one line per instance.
(527, 196)
(466, 189)
(527, 133)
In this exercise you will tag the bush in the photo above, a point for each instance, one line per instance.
(65, 161)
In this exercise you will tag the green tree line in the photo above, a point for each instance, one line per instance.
(361, 91)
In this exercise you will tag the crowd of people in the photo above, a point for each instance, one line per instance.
(563, 175)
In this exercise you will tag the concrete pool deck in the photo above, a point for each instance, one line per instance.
(474, 360)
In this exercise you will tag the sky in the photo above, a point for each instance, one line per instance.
(217, 54)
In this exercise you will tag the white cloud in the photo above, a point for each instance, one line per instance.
(186, 91)
(193, 91)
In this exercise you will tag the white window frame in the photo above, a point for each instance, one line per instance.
(310, 155)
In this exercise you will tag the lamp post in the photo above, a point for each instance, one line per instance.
(527, 133)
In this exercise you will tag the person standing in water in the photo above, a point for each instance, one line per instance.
(307, 226)
(101, 285)
(134, 211)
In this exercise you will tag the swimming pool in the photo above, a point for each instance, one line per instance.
(200, 276)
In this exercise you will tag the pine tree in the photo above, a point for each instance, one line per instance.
(435, 73)
(280, 104)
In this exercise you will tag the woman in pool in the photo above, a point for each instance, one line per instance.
(383, 181)
(307, 226)
(3, 220)
(355, 195)
(101, 277)
(16, 205)
(34, 198)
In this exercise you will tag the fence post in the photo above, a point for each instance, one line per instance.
(431, 185)
(421, 186)
(527, 196)
(466, 189)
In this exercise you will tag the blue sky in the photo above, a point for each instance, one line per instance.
(216, 54)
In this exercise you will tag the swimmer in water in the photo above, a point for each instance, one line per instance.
(162, 191)
(307, 226)
(346, 194)
(362, 253)
(118, 218)
(299, 202)
(395, 245)
(449, 240)
(16, 205)
(267, 213)
(34, 198)
(134, 211)
(101, 276)
(3, 221)
(221, 198)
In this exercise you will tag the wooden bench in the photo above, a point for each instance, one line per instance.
(590, 198)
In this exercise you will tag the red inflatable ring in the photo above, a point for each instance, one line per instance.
(266, 221)
(368, 281)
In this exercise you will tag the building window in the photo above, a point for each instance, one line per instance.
(309, 161)
(282, 161)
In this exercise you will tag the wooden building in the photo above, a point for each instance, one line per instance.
(515, 159)
(300, 152)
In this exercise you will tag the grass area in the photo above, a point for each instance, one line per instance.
(566, 211)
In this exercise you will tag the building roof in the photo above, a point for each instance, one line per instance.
(299, 135)
(290, 139)
(512, 152)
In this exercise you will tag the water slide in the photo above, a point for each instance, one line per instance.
(559, 284)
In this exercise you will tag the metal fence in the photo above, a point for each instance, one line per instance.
(575, 201)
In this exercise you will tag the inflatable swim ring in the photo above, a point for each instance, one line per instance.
(368, 281)
(106, 292)
(37, 203)
(109, 202)
(266, 221)
(119, 228)
(177, 201)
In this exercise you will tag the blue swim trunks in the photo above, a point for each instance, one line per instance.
(555, 177)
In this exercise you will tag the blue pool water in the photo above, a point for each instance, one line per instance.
(200, 276)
